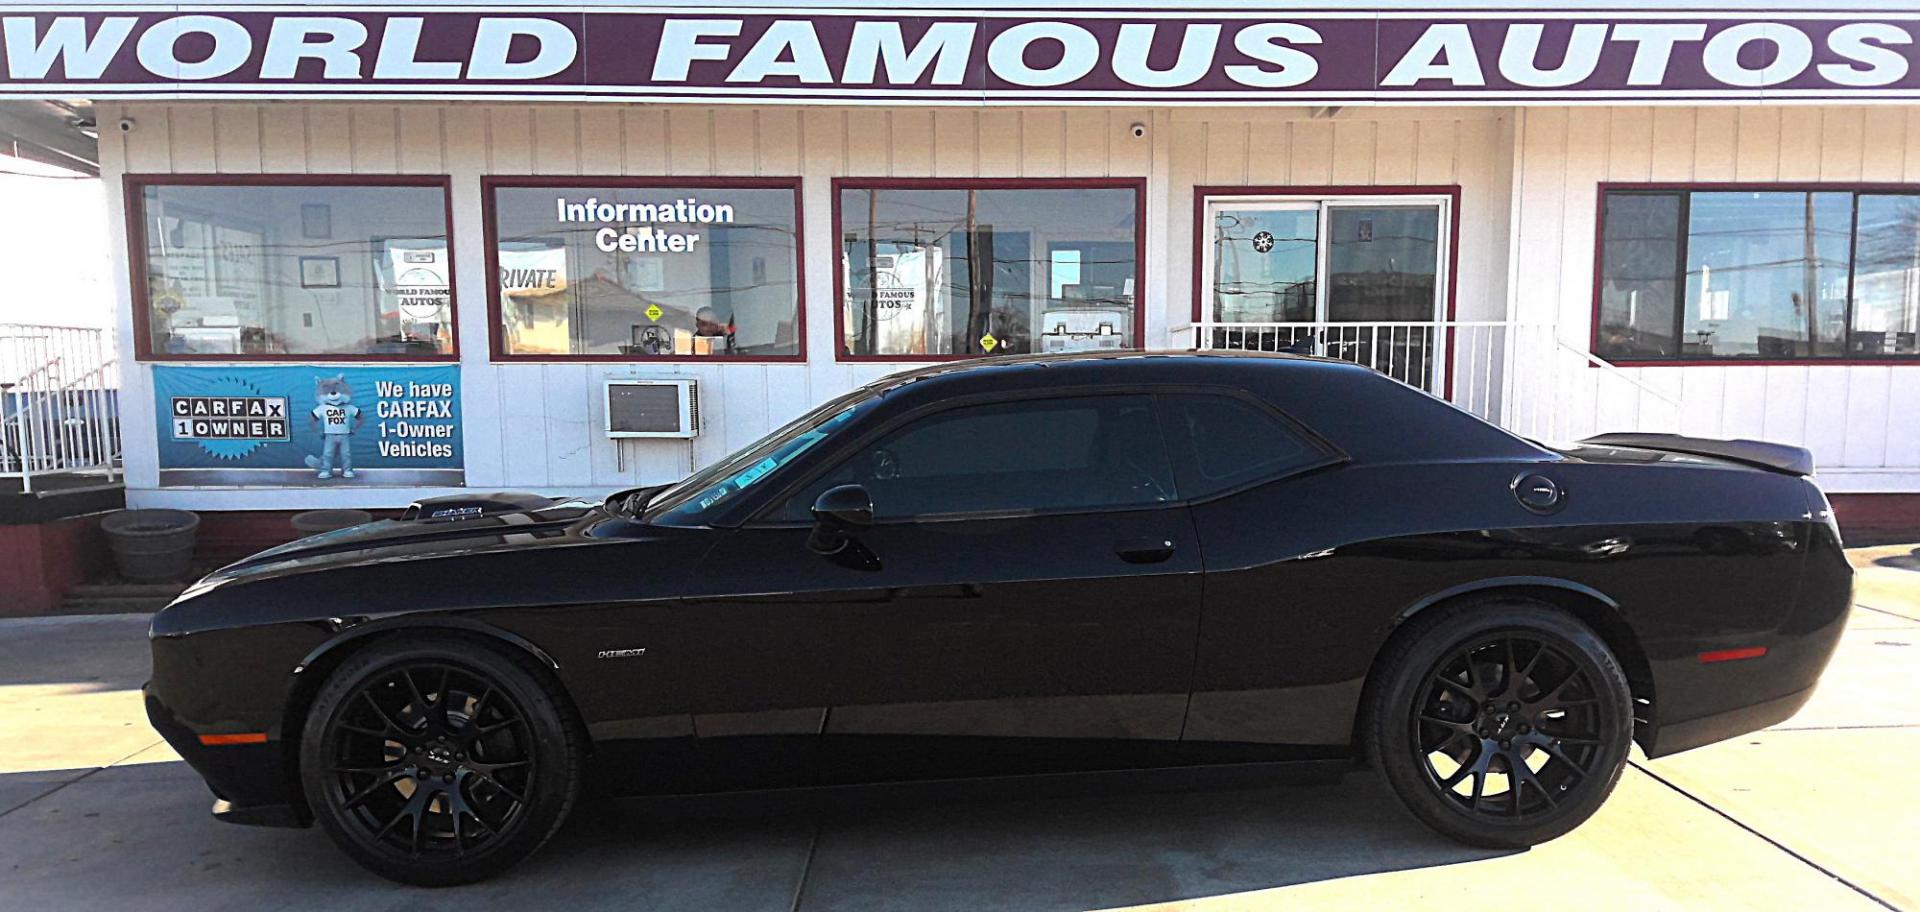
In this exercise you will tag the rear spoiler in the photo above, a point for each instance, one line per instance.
(1779, 457)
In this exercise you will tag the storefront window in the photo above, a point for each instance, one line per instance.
(1758, 274)
(297, 270)
(705, 270)
(967, 270)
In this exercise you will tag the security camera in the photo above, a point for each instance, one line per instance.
(1138, 130)
(127, 124)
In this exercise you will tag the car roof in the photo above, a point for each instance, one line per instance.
(1370, 416)
(1004, 372)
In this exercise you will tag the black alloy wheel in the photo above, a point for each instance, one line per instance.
(437, 763)
(1501, 723)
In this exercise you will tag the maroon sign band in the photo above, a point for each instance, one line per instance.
(979, 57)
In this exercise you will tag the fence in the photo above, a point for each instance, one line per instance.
(1520, 376)
(59, 397)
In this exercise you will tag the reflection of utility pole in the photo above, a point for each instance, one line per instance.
(873, 276)
(1810, 276)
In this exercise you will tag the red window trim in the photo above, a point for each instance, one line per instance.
(496, 343)
(1137, 184)
(1599, 245)
(133, 187)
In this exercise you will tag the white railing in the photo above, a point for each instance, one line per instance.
(1521, 376)
(59, 389)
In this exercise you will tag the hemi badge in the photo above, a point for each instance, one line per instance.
(621, 653)
(1728, 655)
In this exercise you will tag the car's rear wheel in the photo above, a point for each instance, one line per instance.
(438, 761)
(1502, 723)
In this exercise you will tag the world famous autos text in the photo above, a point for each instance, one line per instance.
(337, 418)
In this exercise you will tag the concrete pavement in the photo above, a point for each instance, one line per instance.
(1820, 812)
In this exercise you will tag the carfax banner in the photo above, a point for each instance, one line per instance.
(308, 425)
(1332, 54)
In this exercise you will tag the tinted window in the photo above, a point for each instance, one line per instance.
(1223, 442)
(1088, 452)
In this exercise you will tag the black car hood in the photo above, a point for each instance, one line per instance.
(399, 539)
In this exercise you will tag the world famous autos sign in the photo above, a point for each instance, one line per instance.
(1171, 54)
(308, 425)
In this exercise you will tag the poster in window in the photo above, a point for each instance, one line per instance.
(415, 281)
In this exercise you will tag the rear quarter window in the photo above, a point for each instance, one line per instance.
(1222, 442)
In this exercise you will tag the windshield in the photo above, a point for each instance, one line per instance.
(689, 502)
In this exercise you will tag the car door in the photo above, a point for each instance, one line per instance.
(1270, 677)
(1026, 599)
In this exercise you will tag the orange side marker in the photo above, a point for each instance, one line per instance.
(241, 738)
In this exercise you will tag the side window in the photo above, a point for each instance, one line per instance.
(1221, 441)
(1040, 455)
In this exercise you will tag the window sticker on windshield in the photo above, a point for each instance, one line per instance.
(716, 495)
(753, 474)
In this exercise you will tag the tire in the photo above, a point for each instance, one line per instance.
(1468, 690)
(439, 760)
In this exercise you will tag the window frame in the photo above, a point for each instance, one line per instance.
(758, 516)
(133, 196)
(840, 184)
(1206, 195)
(1686, 189)
(496, 337)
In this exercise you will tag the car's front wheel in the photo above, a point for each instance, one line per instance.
(438, 760)
(1501, 723)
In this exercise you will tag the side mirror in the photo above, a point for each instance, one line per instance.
(843, 509)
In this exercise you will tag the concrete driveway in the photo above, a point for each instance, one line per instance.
(1822, 812)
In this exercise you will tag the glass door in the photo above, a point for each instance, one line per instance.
(1356, 278)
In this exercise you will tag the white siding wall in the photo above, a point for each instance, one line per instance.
(1527, 179)
(1860, 421)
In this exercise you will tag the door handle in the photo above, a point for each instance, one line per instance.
(1144, 550)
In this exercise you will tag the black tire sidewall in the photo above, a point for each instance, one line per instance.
(1417, 654)
(556, 759)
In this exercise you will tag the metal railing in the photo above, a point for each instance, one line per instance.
(1521, 376)
(59, 401)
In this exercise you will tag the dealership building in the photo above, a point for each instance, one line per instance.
(370, 253)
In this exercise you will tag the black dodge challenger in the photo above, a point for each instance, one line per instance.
(1022, 566)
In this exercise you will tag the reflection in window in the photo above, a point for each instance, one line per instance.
(1638, 286)
(296, 270)
(970, 271)
(1886, 279)
(1773, 274)
(1766, 274)
(681, 271)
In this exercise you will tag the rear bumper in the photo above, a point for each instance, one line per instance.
(250, 781)
(1681, 736)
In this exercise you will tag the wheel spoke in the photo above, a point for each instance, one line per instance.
(1463, 689)
(392, 723)
(1553, 750)
(1526, 777)
(440, 700)
(383, 782)
(510, 793)
(419, 699)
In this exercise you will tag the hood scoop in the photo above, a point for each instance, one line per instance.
(458, 507)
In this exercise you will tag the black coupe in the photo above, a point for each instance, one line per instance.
(1020, 566)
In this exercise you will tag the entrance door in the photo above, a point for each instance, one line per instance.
(1356, 278)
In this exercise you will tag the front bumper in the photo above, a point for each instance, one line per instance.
(251, 782)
